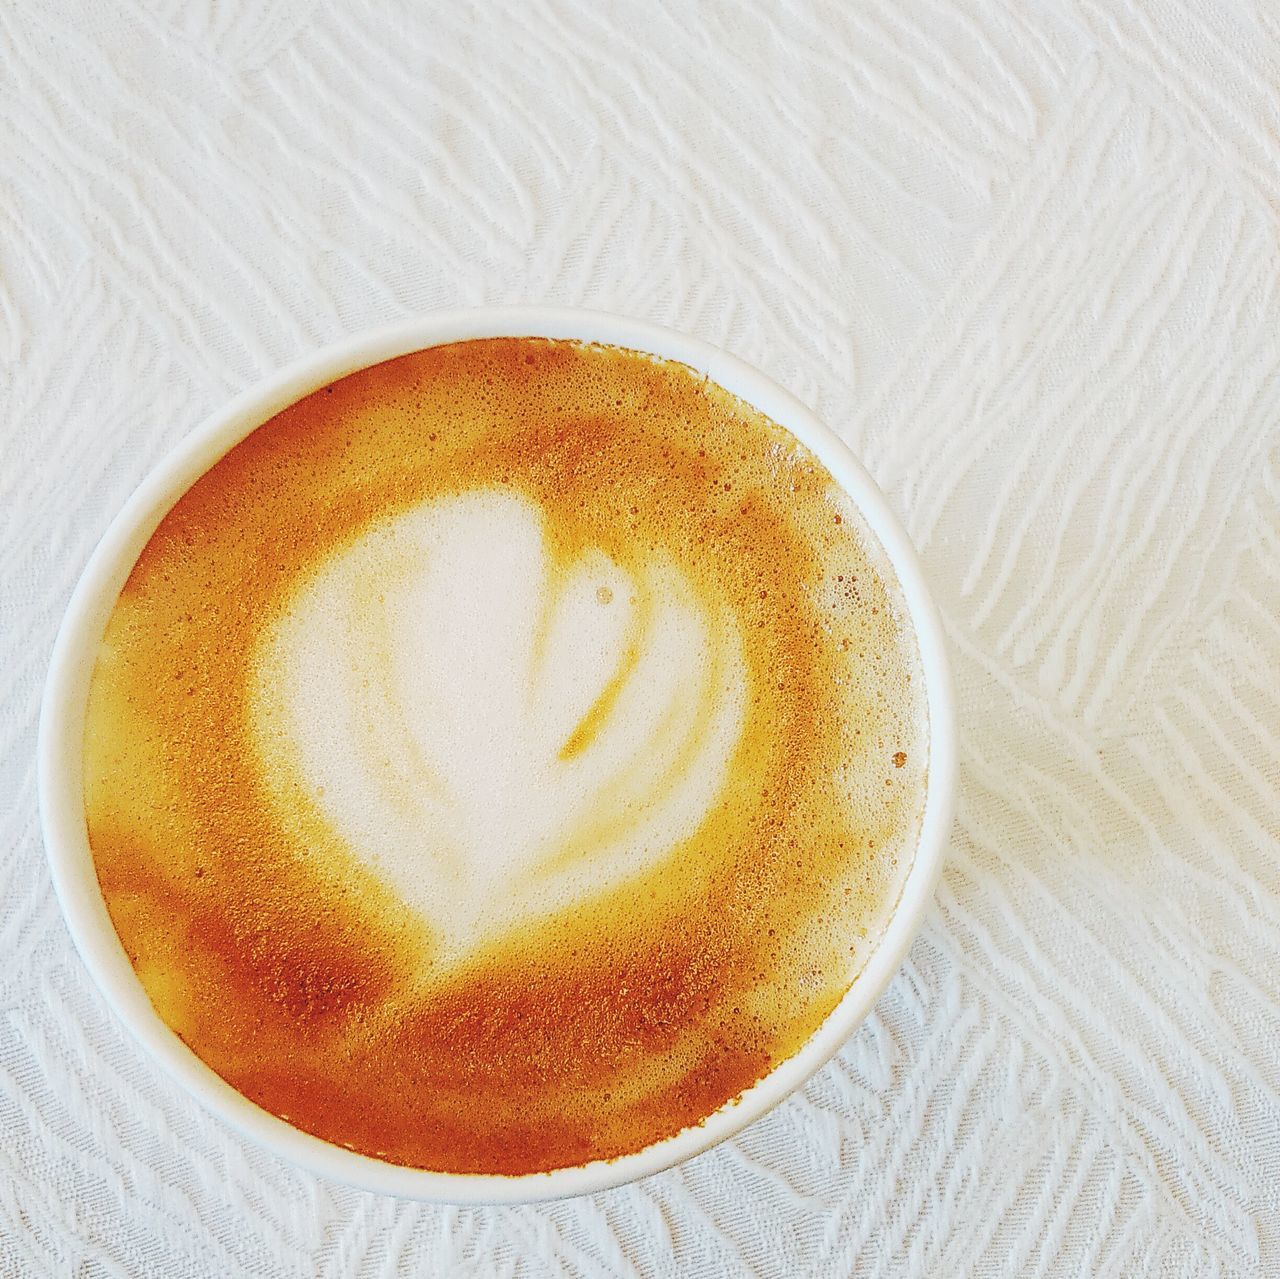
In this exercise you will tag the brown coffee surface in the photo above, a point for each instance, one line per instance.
(303, 884)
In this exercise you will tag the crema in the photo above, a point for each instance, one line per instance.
(505, 756)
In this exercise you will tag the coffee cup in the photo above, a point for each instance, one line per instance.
(63, 723)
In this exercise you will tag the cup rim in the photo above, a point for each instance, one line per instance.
(61, 733)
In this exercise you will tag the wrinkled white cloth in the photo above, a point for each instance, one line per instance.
(1024, 258)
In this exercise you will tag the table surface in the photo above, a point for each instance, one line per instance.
(1023, 257)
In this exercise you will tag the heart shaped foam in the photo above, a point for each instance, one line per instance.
(497, 735)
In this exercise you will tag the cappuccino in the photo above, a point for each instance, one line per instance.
(505, 756)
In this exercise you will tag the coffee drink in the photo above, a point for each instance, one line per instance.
(505, 756)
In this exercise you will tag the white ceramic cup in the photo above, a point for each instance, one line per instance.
(66, 693)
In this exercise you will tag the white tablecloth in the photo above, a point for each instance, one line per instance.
(1024, 258)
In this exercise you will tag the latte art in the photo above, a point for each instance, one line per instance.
(505, 756)
(496, 735)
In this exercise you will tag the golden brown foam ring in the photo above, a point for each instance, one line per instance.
(297, 976)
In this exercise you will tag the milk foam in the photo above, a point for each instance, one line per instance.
(497, 734)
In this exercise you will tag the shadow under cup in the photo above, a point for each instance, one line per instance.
(63, 722)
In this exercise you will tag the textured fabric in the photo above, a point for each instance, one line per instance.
(1023, 257)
